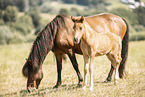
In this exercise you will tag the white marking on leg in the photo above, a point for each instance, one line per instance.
(86, 66)
(91, 73)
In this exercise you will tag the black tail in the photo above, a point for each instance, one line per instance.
(124, 52)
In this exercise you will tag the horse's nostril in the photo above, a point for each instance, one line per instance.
(75, 39)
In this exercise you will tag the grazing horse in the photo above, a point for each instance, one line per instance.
(96, 44)
(57, 36)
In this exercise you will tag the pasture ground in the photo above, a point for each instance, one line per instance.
(12, 83)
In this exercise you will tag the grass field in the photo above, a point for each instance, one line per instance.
(12, 83)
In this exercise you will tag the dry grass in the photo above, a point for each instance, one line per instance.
(12, 83)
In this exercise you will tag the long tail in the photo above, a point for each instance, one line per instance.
(124, 52)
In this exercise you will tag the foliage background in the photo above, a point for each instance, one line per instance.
(25, 18)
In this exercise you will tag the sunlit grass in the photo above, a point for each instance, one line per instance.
(12, 83)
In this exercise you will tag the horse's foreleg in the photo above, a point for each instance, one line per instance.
(91, 72)
(30, 84)
(86, 67)
(38, 80)
(59, 68)
(72, 57)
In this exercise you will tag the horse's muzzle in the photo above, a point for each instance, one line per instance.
(75, 40)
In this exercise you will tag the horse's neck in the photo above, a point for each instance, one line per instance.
(88, 32)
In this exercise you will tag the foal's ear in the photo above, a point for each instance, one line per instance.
(73, 19)
(82, 19)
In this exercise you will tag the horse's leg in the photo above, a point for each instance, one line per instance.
(115, 61)
(59, 68)
(30, 83)
(38, 80)
(109, 75)
(86, 67)
(91, 71)
(72, 57)
(116, 75)
(112, 68)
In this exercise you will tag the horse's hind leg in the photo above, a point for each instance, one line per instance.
(115, 64)
(109, 75)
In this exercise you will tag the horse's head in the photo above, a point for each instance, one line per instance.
(33, 74)
(78, 28)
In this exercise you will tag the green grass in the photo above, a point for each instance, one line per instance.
(12, 83)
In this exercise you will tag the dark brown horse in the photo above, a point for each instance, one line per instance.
(58, 37)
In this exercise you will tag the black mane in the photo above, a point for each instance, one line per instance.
(43, 43)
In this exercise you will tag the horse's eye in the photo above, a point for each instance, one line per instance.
(80, 28)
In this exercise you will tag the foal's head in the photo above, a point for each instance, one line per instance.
(78, 28)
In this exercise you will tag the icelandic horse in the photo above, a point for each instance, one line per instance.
(95, 44)
(57, 36)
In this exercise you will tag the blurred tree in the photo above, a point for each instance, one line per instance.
(5, 35)
(34, 3)
(83, 2)
(35, 14)
(127, 14)
(26, 9)
(1, 14)
(18, 3)
(10, 14)
(70, 1)
(74, 11)
(140, 12)
(64, 11)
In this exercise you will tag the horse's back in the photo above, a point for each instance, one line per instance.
(107, 23)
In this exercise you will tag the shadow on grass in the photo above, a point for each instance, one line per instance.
(41, 92)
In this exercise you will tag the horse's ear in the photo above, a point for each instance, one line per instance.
(73, 19)
(82, 19)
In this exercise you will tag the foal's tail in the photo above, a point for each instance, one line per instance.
(124, 52)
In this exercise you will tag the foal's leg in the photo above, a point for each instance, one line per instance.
(86, 67)
(59, 68)
(91, 71)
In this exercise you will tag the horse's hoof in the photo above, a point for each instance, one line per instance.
(79, 84)
(32, 89)
(106, 81)
(28, 90)
(56, 86)
(91, 89)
